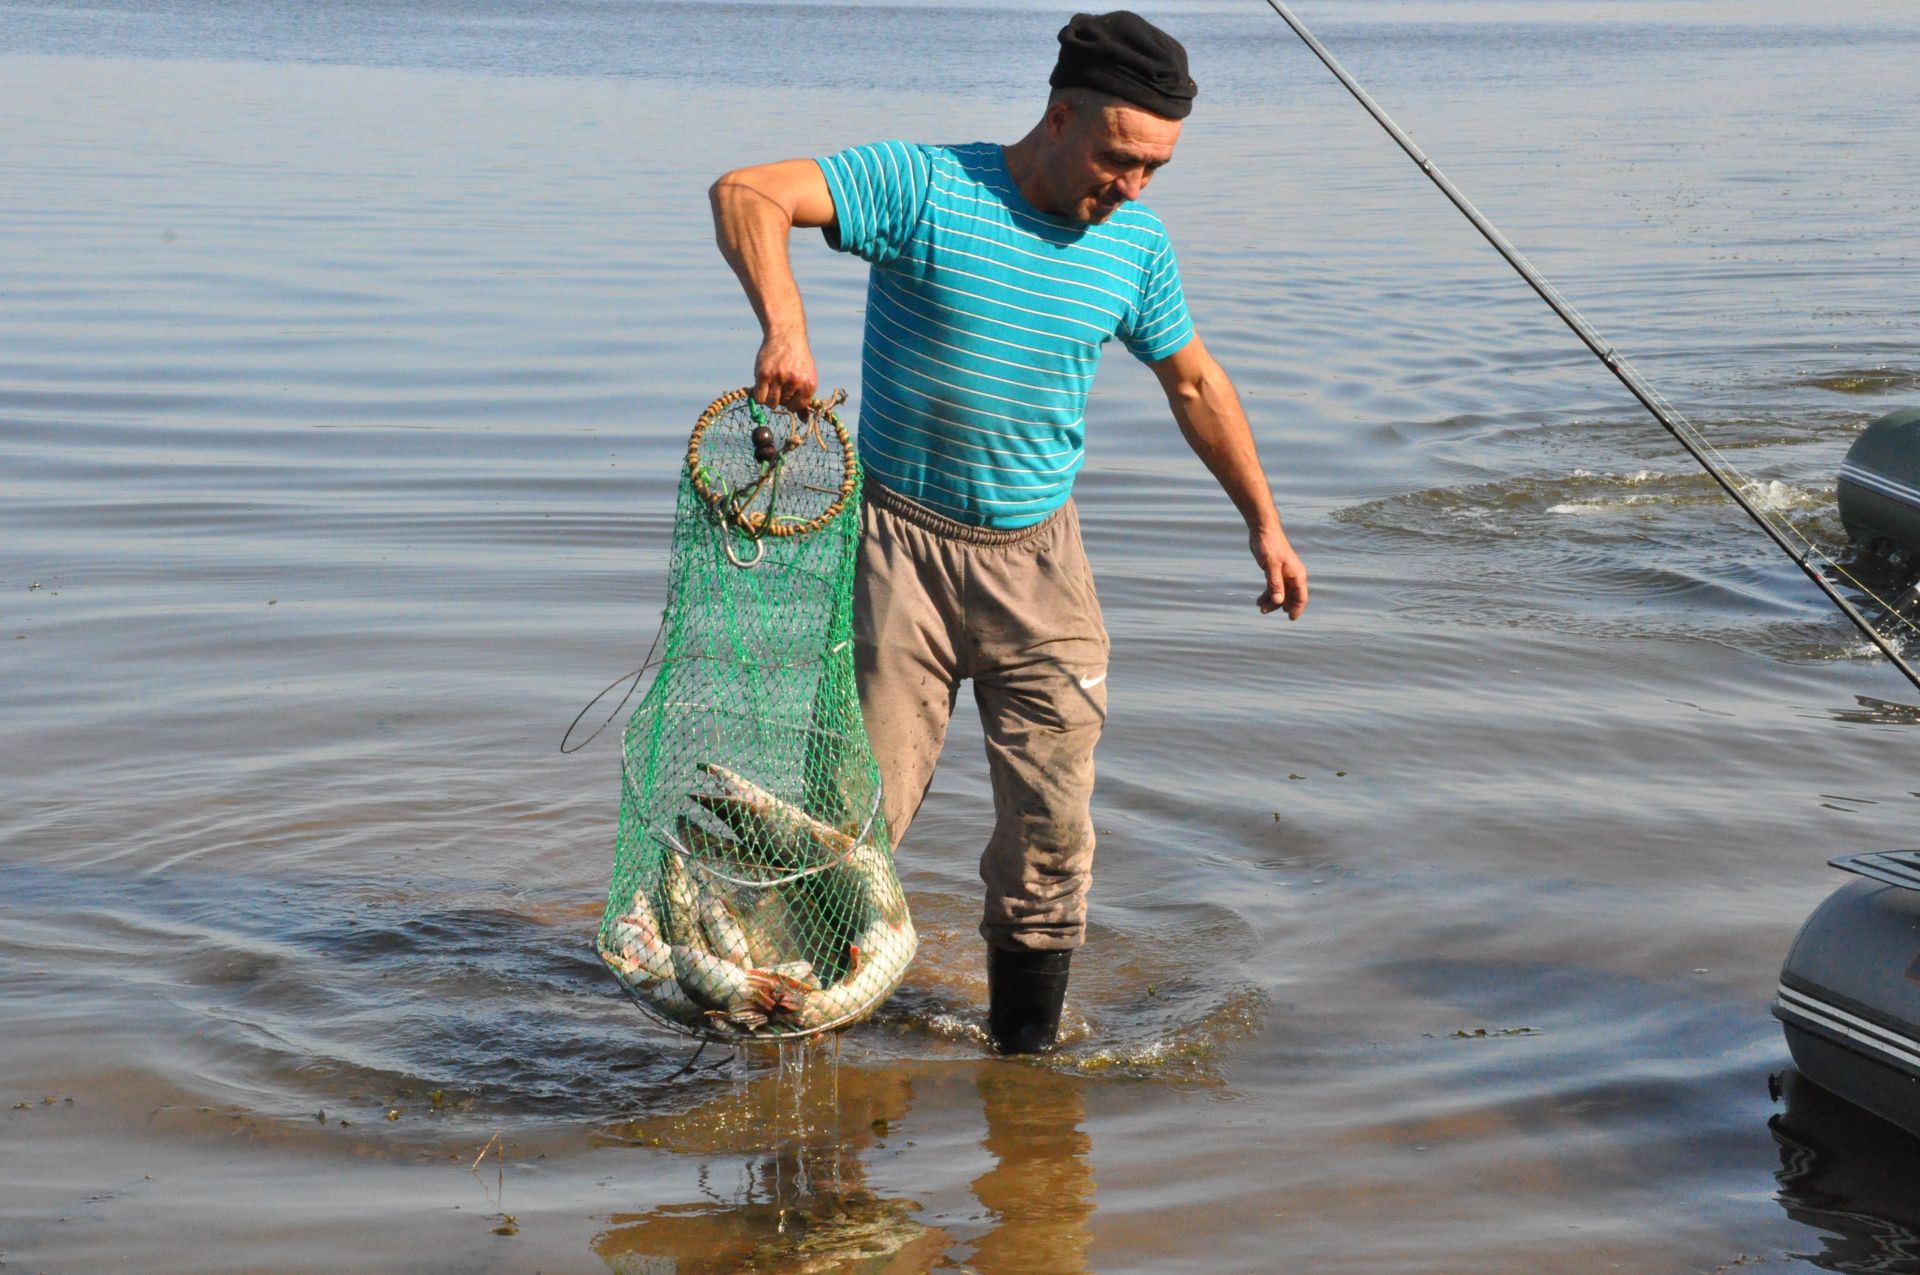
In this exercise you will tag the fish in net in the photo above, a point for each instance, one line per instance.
(754, 892)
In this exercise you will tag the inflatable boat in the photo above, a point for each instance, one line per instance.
(1849, 995)
(1879, 487)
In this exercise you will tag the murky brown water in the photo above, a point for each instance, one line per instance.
(345, 354)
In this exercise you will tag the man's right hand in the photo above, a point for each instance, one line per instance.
(783, 374)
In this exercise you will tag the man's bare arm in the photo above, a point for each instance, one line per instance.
(1210, 417)
(754, 211)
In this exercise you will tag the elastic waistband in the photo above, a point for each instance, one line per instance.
(947, 528)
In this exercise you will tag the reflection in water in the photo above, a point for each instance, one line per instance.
(1040, 1189)
(802, 1202)
(807, 1235)
(1850, 1176)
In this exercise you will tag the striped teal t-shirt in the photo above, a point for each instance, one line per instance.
(985, 321)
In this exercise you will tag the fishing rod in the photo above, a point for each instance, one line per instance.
(1670, 418)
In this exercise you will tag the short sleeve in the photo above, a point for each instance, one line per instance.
(1161, 325)
(879, 192)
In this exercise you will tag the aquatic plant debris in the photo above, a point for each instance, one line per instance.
(1864, 381)
(754, 894)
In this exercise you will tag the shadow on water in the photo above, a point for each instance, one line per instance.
(283, 993)
(1849, 1176)
(806, 1205)
(465, 1000)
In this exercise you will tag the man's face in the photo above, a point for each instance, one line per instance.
(1103, 156)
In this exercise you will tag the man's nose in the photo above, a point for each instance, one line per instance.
(1131, 184)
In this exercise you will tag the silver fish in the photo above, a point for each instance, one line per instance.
(663, 994)
(638, 932)
(725, 937)
(780, 956)
(878, 962)
(784, 820)
(679, 900)
(733, 994)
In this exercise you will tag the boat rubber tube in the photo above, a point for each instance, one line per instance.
(1879, 487)
(1849, 994)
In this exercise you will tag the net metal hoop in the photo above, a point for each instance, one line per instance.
(697, 860)
(629, 786)
(721, 1036)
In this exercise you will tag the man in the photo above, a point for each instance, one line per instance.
(998, 273)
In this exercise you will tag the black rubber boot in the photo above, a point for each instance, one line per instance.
(1024, 992)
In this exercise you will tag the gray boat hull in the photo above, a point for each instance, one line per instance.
(1849, 996)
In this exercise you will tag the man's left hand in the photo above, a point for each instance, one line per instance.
(1286, 574)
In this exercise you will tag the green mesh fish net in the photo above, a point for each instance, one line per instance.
(754, 892)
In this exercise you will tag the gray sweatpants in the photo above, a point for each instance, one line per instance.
(937, 602)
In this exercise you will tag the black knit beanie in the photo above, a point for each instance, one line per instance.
(1124, 55)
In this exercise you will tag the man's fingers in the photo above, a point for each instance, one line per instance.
(802, 381)
(1271, 602)
(1286, 591)
(782, 390)
(780, 379)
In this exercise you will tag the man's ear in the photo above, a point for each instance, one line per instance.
(1058, 119)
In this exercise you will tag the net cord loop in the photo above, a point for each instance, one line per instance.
(632, 678)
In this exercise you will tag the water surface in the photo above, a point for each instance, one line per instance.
(346, 351)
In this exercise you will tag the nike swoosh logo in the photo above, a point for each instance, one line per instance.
(1088, 683)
